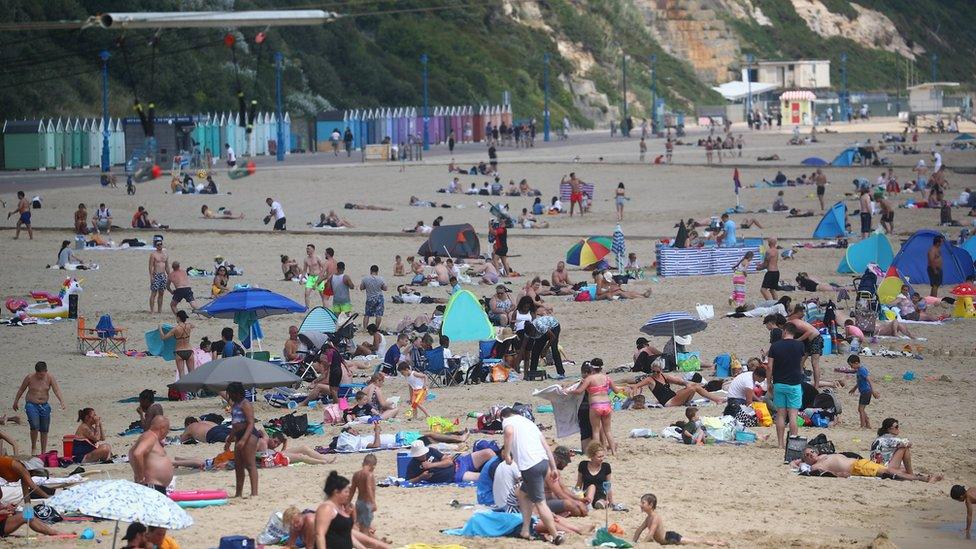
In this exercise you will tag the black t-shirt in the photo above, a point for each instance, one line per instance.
(787, 355)
(775, 335)
(598, 479)
(438, 475)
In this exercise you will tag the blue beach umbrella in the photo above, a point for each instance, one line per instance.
(246, 305)
(618, 246)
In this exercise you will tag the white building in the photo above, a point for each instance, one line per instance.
(809, 74)
(927, 97)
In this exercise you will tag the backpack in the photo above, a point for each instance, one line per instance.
(826, 401)
(794, 448)
(293, 425)
(822, 445)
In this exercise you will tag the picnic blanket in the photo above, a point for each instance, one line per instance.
(703, 261)
(74, 267)
(489, 524)
(565, 191)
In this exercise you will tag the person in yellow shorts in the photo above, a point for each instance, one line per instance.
(340, 283)
(842, 466)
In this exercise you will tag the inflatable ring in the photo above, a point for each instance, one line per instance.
(202, 174)
(14, 304)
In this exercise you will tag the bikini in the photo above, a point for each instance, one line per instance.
(185, 354)
(602, 408)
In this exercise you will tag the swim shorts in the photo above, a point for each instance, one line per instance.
(375, 305)
(25, 217)
(534, 481)
(279, 224)
(771, 280)
(888, 217)
(312, 282)
(183, 294)
(814, 346)
(935, 276)
(502, 251)
(865, 468)
(787, 396)
(38, 416)
(364, 514)
(339, 308)
(672, 538)
(865, 222)
(218, 433)
(821, 190)
(462, 465)
(158, 283)
(576, 197)
(864, 399)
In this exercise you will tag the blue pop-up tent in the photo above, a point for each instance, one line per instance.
(874, 249)
(833, 222)
(465, 319)
(970, 246)
(846, 158)
(814, 161)
(912, 259)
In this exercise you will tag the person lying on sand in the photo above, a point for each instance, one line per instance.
(298, 453)
(354, 206)
(606, 288)
(807, 284)
(222, 213)
(198, 430)
(800, 213)
(331, 220)
(660, 386)
(842, 466)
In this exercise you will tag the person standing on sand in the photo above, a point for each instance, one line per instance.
(528, 450)
(865, 204)
(38, 387)
(575, 192)
(150, 465)
(277, 212)
(158, 275)
(364, 484)
(314, 272)
(784, 377)
(770, 262)
(24, 211)
(374, 286)
(934, 268)
(821, 181)
(244, 436)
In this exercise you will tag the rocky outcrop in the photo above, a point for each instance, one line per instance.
(870, 28)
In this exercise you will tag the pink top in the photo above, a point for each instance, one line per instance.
(854, 331)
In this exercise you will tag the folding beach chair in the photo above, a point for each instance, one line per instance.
(113, 338)
(88, 339)
(435, 367)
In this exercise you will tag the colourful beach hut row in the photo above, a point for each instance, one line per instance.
(212, 131)
(60, 144)
(406, 124)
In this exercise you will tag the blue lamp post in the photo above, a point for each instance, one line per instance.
(280, 149)
(845, 105)
(653, 94)
(106, 160)
(545, 107)
(423, 59)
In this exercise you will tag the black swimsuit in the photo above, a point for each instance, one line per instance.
(662, 391)
(339, 535)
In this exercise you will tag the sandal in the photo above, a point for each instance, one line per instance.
(559, 538)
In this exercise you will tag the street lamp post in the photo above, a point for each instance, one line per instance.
(845, 106)
(280, 149)
(423, 59)
(106, 160)
(653, 94)
(545, 106)
(623, 123)
(749, 59)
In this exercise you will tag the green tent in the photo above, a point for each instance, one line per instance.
(465, 319)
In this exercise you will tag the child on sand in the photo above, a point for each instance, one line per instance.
(692, 431)
(865, 387)
(960, 493)
(364, 484)
(398, 268)
(654, 524)
(418, 389)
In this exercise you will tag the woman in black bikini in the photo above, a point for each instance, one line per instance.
(184, 351)
(660, 384)
(807, 284)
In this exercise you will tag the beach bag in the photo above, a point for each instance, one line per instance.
(275, 533)
(499, 373)
(821, 444)
(294, 426)
(705, 312)
(331, 414)
(439, 424)
(236, 542)
(689, 362)
(223, 459)
(794, 448)
(763, 416)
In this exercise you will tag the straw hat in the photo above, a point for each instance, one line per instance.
(418, 449)
(504, 334)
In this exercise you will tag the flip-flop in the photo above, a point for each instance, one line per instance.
(559, 538)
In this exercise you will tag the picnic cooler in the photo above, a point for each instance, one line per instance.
(403, 461)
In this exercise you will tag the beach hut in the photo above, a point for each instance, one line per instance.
(388, 121)
(797, 107)
(50, 159)
(286, 130)
(478, 124)
(74, 132)
(507, 114)
(912, 259)
(874, 249)
(23, 144)
(59, 155)
(833, 222)
(117, 142)
(84, 143)
(95, 130)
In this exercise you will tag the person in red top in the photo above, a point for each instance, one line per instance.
(12, 470)
(499, 256)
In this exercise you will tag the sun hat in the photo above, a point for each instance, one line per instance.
(683, 340)
(418, 449)
(504, 334)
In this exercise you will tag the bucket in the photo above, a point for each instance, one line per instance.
(828, 343)
(68, 445)
(403, 460)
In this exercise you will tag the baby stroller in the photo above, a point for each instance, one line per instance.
(867, 307)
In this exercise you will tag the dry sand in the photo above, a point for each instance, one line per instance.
(742, 494)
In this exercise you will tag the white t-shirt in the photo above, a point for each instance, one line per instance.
(279, 212)
(938, 162)
(527, 449)
(336, 136)
(503, 485)
(415, 382)
(231, 157)
(349, 442)
(741, 385)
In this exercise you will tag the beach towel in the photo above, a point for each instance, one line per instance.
(157, 346)
(74, 267)
(565, 191)
(465, 484)
(564, 409)
(489, 524)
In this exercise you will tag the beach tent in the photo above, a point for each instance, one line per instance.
(833, 222)
(970, 246)
(890, 286)
(912, 259)
(965, 137)
(814, 161)
(465, 319)
(846, 158)
(453, 241)
(319, 320)
(874, 249)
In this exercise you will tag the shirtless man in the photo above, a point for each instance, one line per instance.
(935, 265)
(770, 262)
(179, 285)
(575, 192)
(842, 466)
(865, 205)
(148, 408)
(314, 271)
(291, 346)
(441, 272)
(158, 275)
(561, 285)
(39, 386)
(203, 431)
(331, 268)
(887, 216)
(821, 181)
(24, 212)
(150, 464)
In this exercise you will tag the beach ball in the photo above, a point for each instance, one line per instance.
(156, 171)
(909, 375)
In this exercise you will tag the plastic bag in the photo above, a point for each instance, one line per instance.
(705, 312)
(275, 532)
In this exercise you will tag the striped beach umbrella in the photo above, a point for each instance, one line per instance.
(618, 246)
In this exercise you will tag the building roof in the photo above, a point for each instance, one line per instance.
(793, 62)
(799, 95)
(926, 85)
(738, 89)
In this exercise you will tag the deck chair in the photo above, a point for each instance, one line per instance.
(487, 357)
(435, 367)
(88, 339)
(113, 338)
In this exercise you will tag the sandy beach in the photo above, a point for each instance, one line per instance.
(742, 494)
